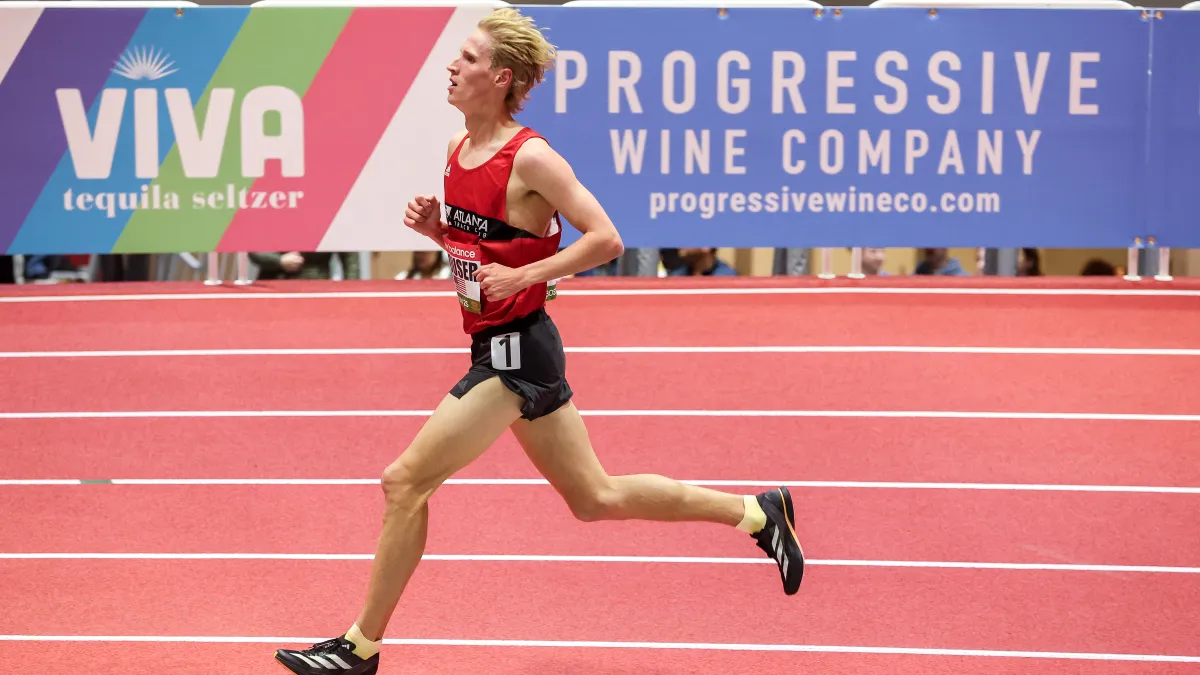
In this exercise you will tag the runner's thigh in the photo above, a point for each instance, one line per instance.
(457, 433)
(560, 449)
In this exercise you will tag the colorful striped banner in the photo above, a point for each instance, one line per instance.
(222, 128)
(65, 49)
(334, 159)
(200, 42)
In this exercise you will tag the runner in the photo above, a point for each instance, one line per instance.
(504, 190)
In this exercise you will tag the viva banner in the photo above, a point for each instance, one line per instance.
(222, 129)
(238, 129)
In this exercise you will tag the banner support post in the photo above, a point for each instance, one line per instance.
(1164, 265)
(243, 267)
(856, 254)
(213, 268)
(827, 264)
(1131, 274)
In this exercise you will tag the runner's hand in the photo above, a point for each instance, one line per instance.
(498, 282)
(424, 215)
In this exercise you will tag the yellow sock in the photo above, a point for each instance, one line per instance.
(363, 648)
(755, 519)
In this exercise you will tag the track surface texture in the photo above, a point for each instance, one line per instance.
(993, 476)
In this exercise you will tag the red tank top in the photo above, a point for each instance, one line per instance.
(476, 206)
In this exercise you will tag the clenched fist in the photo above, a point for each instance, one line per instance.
(424, 215)
(498, 282)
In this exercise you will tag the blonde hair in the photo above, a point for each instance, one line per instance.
(518, 44)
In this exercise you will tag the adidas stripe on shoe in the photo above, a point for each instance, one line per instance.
(778, 538)
(332, 656)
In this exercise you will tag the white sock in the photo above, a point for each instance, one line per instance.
(755, 519)
(363, 648)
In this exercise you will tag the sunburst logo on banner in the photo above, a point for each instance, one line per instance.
(140, 63)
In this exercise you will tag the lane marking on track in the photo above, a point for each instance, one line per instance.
(621, 292)
(865, 414)
(748, 349)
(39, 481)
(684, 560)
(594, 644)
(841, 484)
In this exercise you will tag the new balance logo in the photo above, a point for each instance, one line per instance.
(330, 661)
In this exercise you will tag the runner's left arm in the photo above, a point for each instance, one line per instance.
(544, 171)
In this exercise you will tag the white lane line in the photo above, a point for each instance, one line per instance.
(250, 294)
(882, 485)
(727, 349)
(145, 353)
(39, 481)
(175, 414)
(869, 414)
(684, 560)
(594, 644)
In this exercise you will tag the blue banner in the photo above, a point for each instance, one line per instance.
(865, 127)
(1174, 156)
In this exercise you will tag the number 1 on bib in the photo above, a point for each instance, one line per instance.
(506, 351)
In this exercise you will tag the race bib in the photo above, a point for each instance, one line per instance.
(465, 261)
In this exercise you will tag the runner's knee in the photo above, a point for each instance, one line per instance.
(595, 504)
(405, 486)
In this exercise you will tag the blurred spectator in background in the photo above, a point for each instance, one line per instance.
(44, 267)
(1098, 268)
(1029, 263)
(669, 262)
(296, 265)
(872, 261)
(124, 267)
(701, 262)
(7, 273)
(936, 261)
(427, 265)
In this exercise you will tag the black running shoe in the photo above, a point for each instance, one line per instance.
(332, 656)
(778, 539)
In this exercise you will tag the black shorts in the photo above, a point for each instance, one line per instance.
(527, 355)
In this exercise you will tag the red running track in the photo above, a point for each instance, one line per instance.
(692, 320)
(693, 448)
(833, 524)
(980, 609)
(946, 609)
(945, 382)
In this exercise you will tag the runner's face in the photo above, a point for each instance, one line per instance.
(472, 78)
